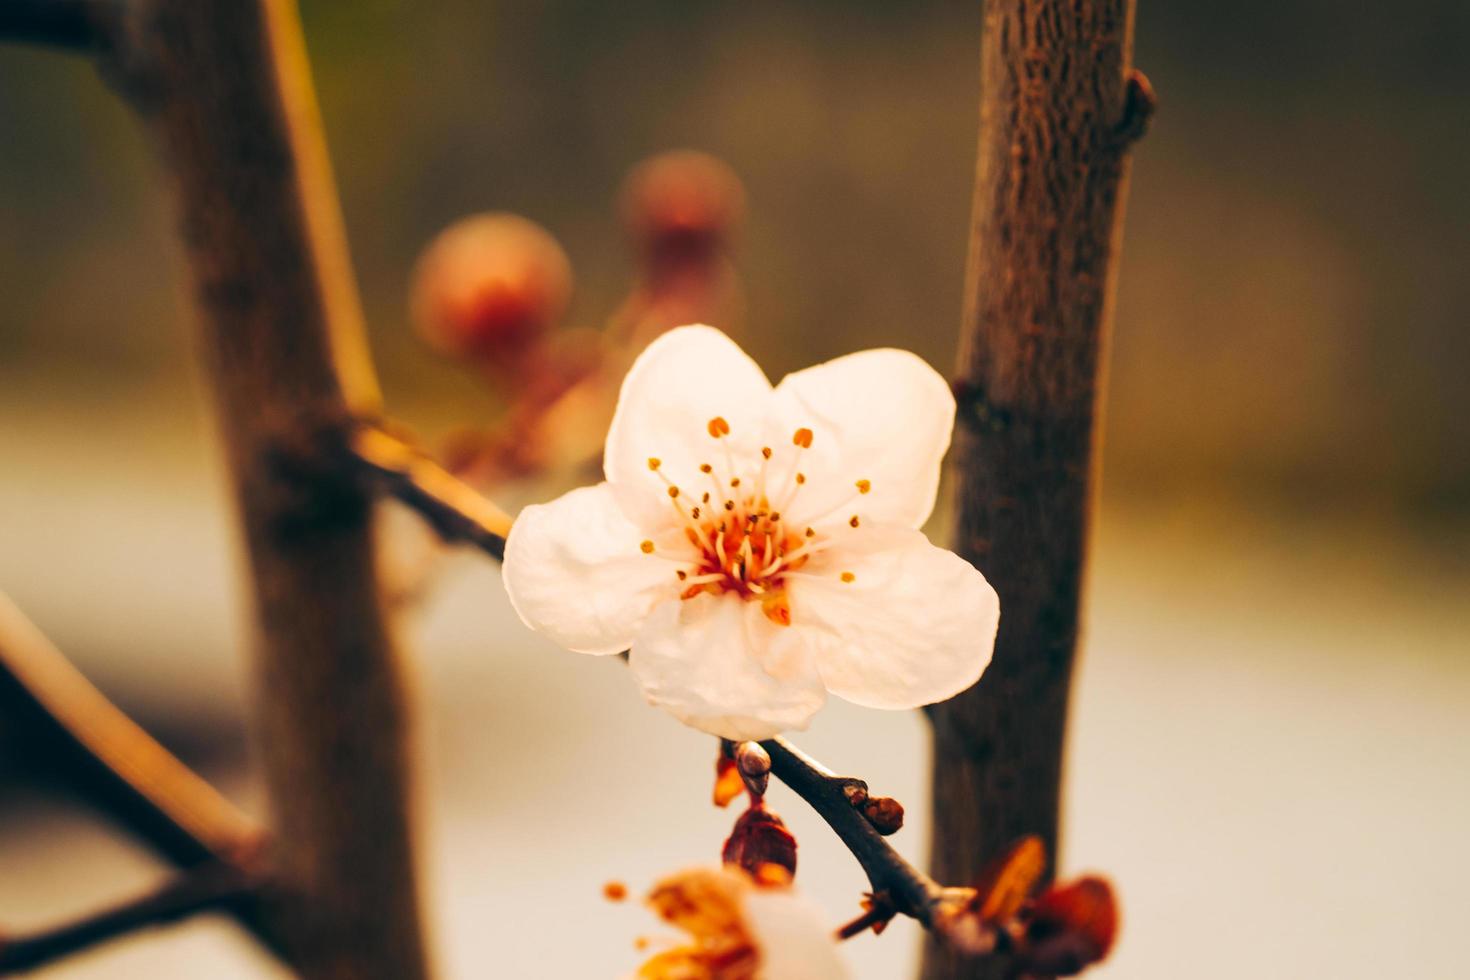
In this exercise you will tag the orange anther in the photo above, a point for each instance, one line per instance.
(647, 547)
(654, 462)
(848, 576)
(718, 427)
(853, 521)
(864, 486)
(803, 438)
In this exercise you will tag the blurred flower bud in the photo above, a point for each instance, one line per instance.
(760, 838)
(683, 205)
(1071, 927)
(489, 286)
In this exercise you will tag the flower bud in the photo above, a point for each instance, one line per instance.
(755, 767)
(760, 838)
(884, 813)
(489, 286)
(683, 205)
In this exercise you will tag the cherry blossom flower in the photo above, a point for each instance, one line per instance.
(740, 929)
(756, 548)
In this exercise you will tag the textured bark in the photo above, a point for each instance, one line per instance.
(225, 86)
(1059, 107)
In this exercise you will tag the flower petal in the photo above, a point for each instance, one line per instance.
(795, 941)
(915, 625)
(884, 416)
(680, 382)
(574, 571)
(718, 664)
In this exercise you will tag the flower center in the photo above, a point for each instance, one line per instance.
(742, 544)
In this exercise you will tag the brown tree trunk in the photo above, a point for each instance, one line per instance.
(1059, 107)
(225, 85)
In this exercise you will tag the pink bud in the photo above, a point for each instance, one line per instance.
(489, 286)
(683, 205)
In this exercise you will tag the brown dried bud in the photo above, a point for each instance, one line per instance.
(760, 838)
(683, 205)
(489, 286)
(884, 813)
(755, 767)
(1071, 927)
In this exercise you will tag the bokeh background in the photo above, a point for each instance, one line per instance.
(1272, 724)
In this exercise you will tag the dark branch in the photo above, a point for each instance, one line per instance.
(209, 887)
(908, 889)
(71, 728)
(454, 509)
(77, 25)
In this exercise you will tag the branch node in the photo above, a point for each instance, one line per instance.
(1139, 105)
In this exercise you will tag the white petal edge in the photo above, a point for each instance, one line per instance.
(915, 626)
(574, 571)
(704, 661)
(680, 382)
(880, 415)
(794, 939)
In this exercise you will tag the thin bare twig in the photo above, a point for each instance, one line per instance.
(206, 888)
(908, 889)
(453, 508)
(117, 767)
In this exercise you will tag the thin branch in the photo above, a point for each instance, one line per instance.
(206, 888)
(115, 765)
(126, 773)
(454, 509)
(910, 891)
(75, 25)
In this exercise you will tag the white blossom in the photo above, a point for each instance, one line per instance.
(757, 547)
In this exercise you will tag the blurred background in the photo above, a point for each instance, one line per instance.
(1272, 719)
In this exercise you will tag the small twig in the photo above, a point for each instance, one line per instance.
(455, 510)
(910, 891)
(116, 766)
(77, 25)
(875, 917)
(205, 888)
(119, 766)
